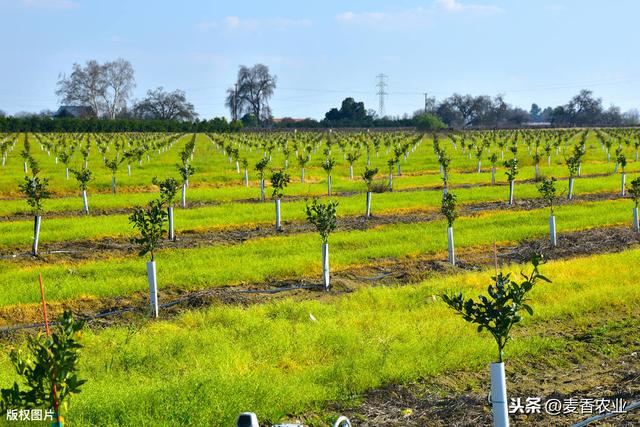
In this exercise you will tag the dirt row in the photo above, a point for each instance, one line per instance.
(105, 312)
(584, 369)
(96, 249)
(25, 215)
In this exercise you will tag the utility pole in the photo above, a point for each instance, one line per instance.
(381, 85)
(425, 102)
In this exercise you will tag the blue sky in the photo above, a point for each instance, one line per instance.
(531, 51)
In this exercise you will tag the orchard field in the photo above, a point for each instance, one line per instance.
(247, 324)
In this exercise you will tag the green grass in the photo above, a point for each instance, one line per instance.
(206, 366)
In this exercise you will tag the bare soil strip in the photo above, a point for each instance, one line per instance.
(104, 312)
(93, 249)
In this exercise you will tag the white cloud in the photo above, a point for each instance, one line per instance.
(416, 17)
(235, 23)
(50, 4)
(389, 20)
(454, 6)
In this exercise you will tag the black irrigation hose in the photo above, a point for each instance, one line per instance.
(634, 405)
(9, 329)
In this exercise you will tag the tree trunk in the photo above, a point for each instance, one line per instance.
(552, 230)
(624, 180)
(278, 226)
(302, 175)
(636, 225)
(511, 185)
(36, 234)
(262, 189)
(325, 265)
(113, 184)
(450, 246)
(246, 178)
(85, 202)
(368, 208)
(153, 288)
(329, 185)
(493, 175)
(570, 195)
(499, 395)
(172, 235)
(390, 181)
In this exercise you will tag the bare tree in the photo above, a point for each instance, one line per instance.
(165, 105)
(105, 88)
(120, 81)
(255, 86)
(84, 86)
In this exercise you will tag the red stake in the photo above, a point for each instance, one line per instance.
(46, 327)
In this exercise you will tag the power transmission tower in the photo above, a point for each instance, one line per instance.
(382, 86)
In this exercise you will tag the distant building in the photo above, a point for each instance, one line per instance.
(75, 111)
(288, 120)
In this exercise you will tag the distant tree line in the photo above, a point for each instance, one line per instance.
(37, 123)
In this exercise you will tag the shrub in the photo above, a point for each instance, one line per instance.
(547, 189)
(448, 208)
(279, 181)
(150, 223)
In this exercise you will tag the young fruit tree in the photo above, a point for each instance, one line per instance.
(245, 166)
(512, 172)
(573, 163)
(634, 191)
(83, 176)
(448, 209)
(48, 367)
(279, 181)
(35, 189)
(498, 313)
(493, 159)
(352, 156)
(185, 170)
(168, 191)
(113, 165)
(391, 163)
(303, 159)
(150, 223)
(367, 176)
(622, 161)
(323, 217)
(328, 165)
(547, 189)
(261, 166)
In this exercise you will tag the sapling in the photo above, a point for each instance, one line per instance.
(245, 166)
(478, 153)
(83, 176)
(512, 172)
(573, 163)
(168, 191)
(113, 165)
(279, 181)
(448, 209)
(65, 158)
(622, 161)
(391, 163)
(48, 368)
(498, 313)
(634, 192)
(150, 223)
(185, 170)
(367, 176)
(547, 189)
(352, 156)
(493, 159)
(303, 159)
(444, 161)
(261, 166)
(36, 190)
(323, 216)
(328, 165)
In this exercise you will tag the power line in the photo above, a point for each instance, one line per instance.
(382, 86)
